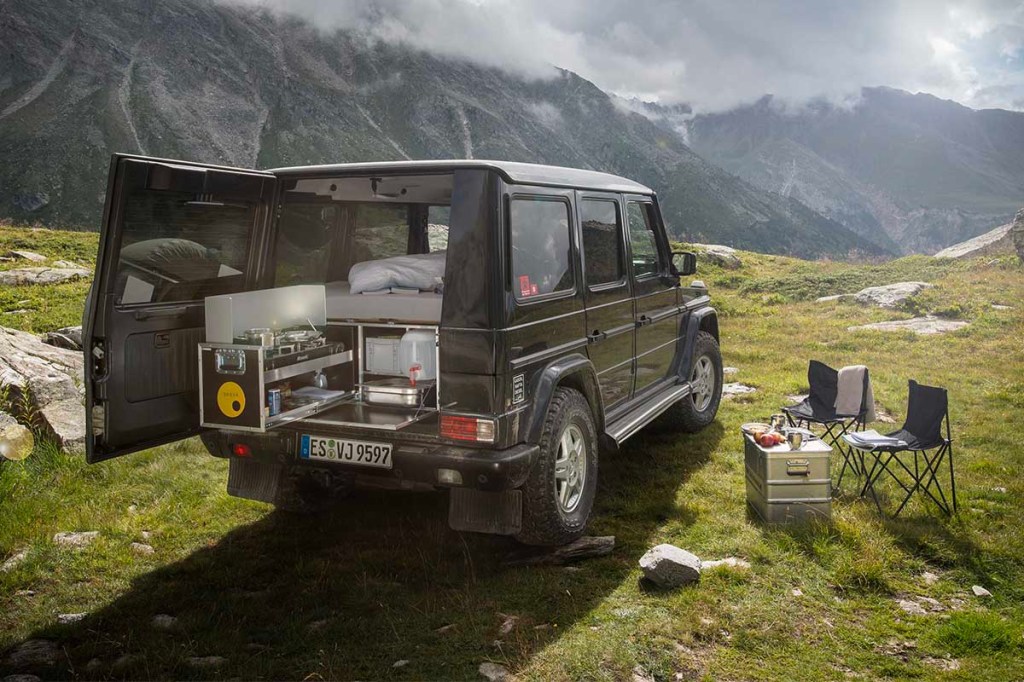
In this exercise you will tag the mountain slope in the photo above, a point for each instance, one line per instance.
(896, 168)
(210, 82)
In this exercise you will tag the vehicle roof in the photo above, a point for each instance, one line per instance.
(513, 171)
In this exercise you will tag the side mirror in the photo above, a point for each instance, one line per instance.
(684, 263)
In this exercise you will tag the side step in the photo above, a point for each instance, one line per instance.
(642, 415)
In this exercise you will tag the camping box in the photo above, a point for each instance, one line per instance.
(789, 486)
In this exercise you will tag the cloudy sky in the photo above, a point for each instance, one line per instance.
(716, 54)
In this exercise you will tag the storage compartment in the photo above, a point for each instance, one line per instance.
(788, 486)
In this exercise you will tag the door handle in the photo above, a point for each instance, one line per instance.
(598, 335)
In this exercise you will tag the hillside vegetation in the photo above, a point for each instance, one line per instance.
(381, 579)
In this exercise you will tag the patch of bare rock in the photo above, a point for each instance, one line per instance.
(885, 296)
(725, 256)
(23, 276)
(51, 377)
(65, 337)
(75, 539)
(927, 325)
(494, 672)
(733, 389)
(26, 255)
(992, 242)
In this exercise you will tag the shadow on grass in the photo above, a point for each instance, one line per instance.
(378, 580)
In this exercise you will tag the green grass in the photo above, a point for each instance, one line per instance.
(349, 593)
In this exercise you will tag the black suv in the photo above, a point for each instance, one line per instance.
(554, 327)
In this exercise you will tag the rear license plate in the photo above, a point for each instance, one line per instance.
(344, 451)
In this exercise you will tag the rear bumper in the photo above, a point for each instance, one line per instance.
(479, 469)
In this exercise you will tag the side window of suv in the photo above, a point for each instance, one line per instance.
(602, 241)
(541, 249)
(642, 241)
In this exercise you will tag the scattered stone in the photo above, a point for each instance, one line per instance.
(51, 377)
(797, 592)
(572, 569)
(25, 276)
(730, 562)
(66, 264)
(16, 440)
(164, 621)
(833, 297)
(542, 626)
(142, 548)
(69, 618)
(999, 489)
(911, 607)
(133, 508)
(22, 677)
(731, 390)
(706, 622)
(445, 629)
(797, 398)
(493, 672)
(65, 337)
(25, 593)
(669, 566)
(641, 675)
(93, 666)
(994, 241)
(890, 295)
(730, 370)
(207, 661)
(76, 538)
(1000, 306)
(146, 535)
(34, 652)
(725, 256)
(125, 662)
(584, 548)
(508, 624)
(949, 664)
(623, 612)
(400, 663)
(931, 604)
(929, 324)
(980, 591)
(929, 578)
(318, 625)
(12, 561)
(897, 649)
(26, 255)
(882, 416)
(956, 604)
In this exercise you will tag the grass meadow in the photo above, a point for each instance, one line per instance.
(380, 588)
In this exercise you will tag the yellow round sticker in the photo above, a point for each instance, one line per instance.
(230, 399)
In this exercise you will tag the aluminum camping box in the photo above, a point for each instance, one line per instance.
(789, 486)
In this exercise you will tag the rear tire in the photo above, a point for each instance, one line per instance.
(559, 494)
(698, 409)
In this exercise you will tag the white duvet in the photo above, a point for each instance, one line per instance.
(422, 271)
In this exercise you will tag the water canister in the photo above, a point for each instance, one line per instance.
(418, 348)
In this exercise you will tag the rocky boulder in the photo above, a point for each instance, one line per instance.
(669, 566)
(1017, 232)
(725, 256)
(51, 377)
(16, 441)
(65, 337)
(992, 242)
(26, 255)
(885, 296)
(23, 276)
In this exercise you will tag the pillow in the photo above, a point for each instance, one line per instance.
(418, 271)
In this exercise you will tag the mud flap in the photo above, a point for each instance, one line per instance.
(253, 480)
(482, 511)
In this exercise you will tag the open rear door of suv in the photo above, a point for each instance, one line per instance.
(174, 232)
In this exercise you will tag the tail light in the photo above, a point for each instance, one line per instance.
(241, 450)
(474, 429)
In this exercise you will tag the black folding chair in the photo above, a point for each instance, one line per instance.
(819, 408)
(927, 417)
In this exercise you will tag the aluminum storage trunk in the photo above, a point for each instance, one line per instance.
(787, 486)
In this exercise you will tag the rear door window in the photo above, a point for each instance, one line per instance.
(541, 246)
(177, 247)
(602, 242)
(642, 242)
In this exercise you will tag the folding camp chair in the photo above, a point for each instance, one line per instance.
(927, 415)
(819, 408)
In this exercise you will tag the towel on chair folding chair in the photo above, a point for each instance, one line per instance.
(854, 391)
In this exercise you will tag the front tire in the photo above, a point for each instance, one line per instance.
(699, 408)
(559, 494)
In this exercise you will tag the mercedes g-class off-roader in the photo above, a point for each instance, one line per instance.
(480, 326)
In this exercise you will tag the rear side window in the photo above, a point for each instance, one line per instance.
(642, 241)
(541, 248)
(177, 248)
(602, 241)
